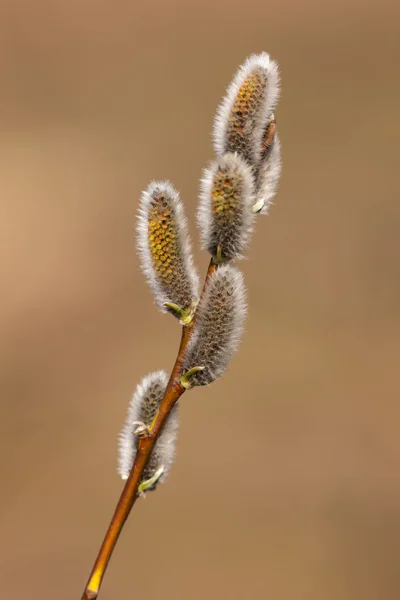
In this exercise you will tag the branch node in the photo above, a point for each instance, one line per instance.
(142, 430)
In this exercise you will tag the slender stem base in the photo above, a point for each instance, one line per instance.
(145, 446)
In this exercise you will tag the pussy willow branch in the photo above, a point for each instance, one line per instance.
(146, 444)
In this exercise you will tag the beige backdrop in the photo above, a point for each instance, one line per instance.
(286, 483)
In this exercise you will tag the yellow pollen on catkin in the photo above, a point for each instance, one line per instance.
(162, 240)
(225, 195)
(246, 104)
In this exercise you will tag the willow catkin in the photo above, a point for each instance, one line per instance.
(142, 410)
(219, 326)
(225, 216)
(269, 170)
(247, 107)
(164, 248)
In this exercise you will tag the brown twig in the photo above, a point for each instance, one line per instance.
(129, 493)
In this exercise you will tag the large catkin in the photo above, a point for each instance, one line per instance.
(249, 102)
(219, 326)
(225, 215)
(164, 248)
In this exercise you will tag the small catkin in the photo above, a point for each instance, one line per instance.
(268, 171)
(225, 216)
(219, 327)
(249, 102)
(142, 409)
(164, 248)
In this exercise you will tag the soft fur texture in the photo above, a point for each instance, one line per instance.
(268, 175)
(164, 247)
(142, 408)
(249, 102)
(224, 216)
(219, 326)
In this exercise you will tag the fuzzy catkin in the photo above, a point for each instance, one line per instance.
(268, 174)
(219, 326)
(164, 247)
(249, 102)
(225, 216)
(142, 409)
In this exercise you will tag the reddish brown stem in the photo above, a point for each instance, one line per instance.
(129, 493)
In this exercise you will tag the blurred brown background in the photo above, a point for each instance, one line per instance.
(302, 498)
